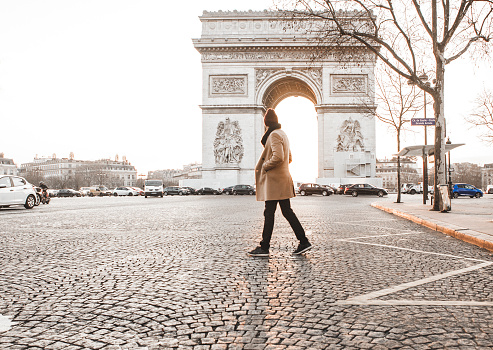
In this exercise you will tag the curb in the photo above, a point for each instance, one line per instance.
(464, 234)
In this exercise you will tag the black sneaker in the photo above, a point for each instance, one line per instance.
(302, 248)
(259, 251)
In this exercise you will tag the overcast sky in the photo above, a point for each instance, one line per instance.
(107, 77)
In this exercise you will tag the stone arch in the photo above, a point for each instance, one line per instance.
(286, 84)
(252, 61)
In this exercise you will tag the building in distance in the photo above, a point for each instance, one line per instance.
(7, 166)
(487, 176)
(387, 171)
(76, 173)
(174, 177)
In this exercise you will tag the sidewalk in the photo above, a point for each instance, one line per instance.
(470, 220)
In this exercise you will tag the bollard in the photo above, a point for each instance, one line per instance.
(444, 196)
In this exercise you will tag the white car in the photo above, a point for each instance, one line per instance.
(84, 191)
(125, 191)
(15, 190)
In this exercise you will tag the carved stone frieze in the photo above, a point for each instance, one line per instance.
(228, 85)
(228, 144)
(283, 55)
(342, 84)
(262, 74)
(350, 138)
(258, 56)
(315, 74)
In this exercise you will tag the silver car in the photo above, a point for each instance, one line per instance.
(15, 190)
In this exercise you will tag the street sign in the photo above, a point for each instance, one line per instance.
(423, 121)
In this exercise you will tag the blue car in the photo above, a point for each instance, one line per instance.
(466, 190)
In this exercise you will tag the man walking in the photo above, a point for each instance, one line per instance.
(275, 185)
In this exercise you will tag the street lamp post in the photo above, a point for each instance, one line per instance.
(449, 170)
(424, 77)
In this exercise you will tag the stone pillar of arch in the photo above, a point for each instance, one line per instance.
(252, 61)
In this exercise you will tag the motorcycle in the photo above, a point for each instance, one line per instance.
(42, 196)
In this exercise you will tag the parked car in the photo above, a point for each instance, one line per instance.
(172, 190)
(15, 190)
(99, 191)
(466, 190)
(243, 189)
(342, 188)
(207, 190)
(191, 189)
(85, 191)
(227, 190)
(52, 193)
(68, 192)
(357, 189)
(411, 188)
(125, 191)
(139, 190)
(153, 187)
(311, 188)
(489, 189)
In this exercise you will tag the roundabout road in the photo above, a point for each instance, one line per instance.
(167, 273)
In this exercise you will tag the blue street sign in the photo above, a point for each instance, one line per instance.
(423, 121)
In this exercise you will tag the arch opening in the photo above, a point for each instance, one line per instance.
(298, 118)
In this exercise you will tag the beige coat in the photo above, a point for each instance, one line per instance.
(272, 176)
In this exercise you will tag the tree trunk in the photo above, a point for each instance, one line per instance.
(398, 166)
(440, 176)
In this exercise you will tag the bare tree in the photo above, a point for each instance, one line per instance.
(467, 173)
(411, 37)
(35, 176)
(395, 99)
(482, 115)
(140, 183)
(92, 174)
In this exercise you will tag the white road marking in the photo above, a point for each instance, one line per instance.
(5, 323)
(358, 224)
(414, 302)
(401, 287)
(378, 236)
(412, 250)
(369, 298)
(350, 222)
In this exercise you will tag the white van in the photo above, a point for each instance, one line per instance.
(489, 189)
(153, 187)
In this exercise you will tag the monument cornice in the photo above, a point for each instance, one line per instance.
(233, 109)
(284, 53)
(275, 25)
(346, 108)
(262, 44)
(279, 14)
(284, 43)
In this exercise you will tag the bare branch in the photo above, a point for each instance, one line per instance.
(461, 12)
(464, 50)
(421, 17)
(482, 116)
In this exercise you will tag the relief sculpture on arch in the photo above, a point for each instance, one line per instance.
(228, 144)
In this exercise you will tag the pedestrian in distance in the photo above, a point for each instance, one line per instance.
(275, 185)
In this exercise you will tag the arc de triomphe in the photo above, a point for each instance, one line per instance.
(254, 60)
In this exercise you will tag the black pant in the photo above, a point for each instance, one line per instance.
(288, 213)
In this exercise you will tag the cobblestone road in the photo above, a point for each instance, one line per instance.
(136, 273)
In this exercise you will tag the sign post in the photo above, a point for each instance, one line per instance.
(425, 122)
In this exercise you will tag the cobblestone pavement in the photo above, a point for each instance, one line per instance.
(136, 273)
